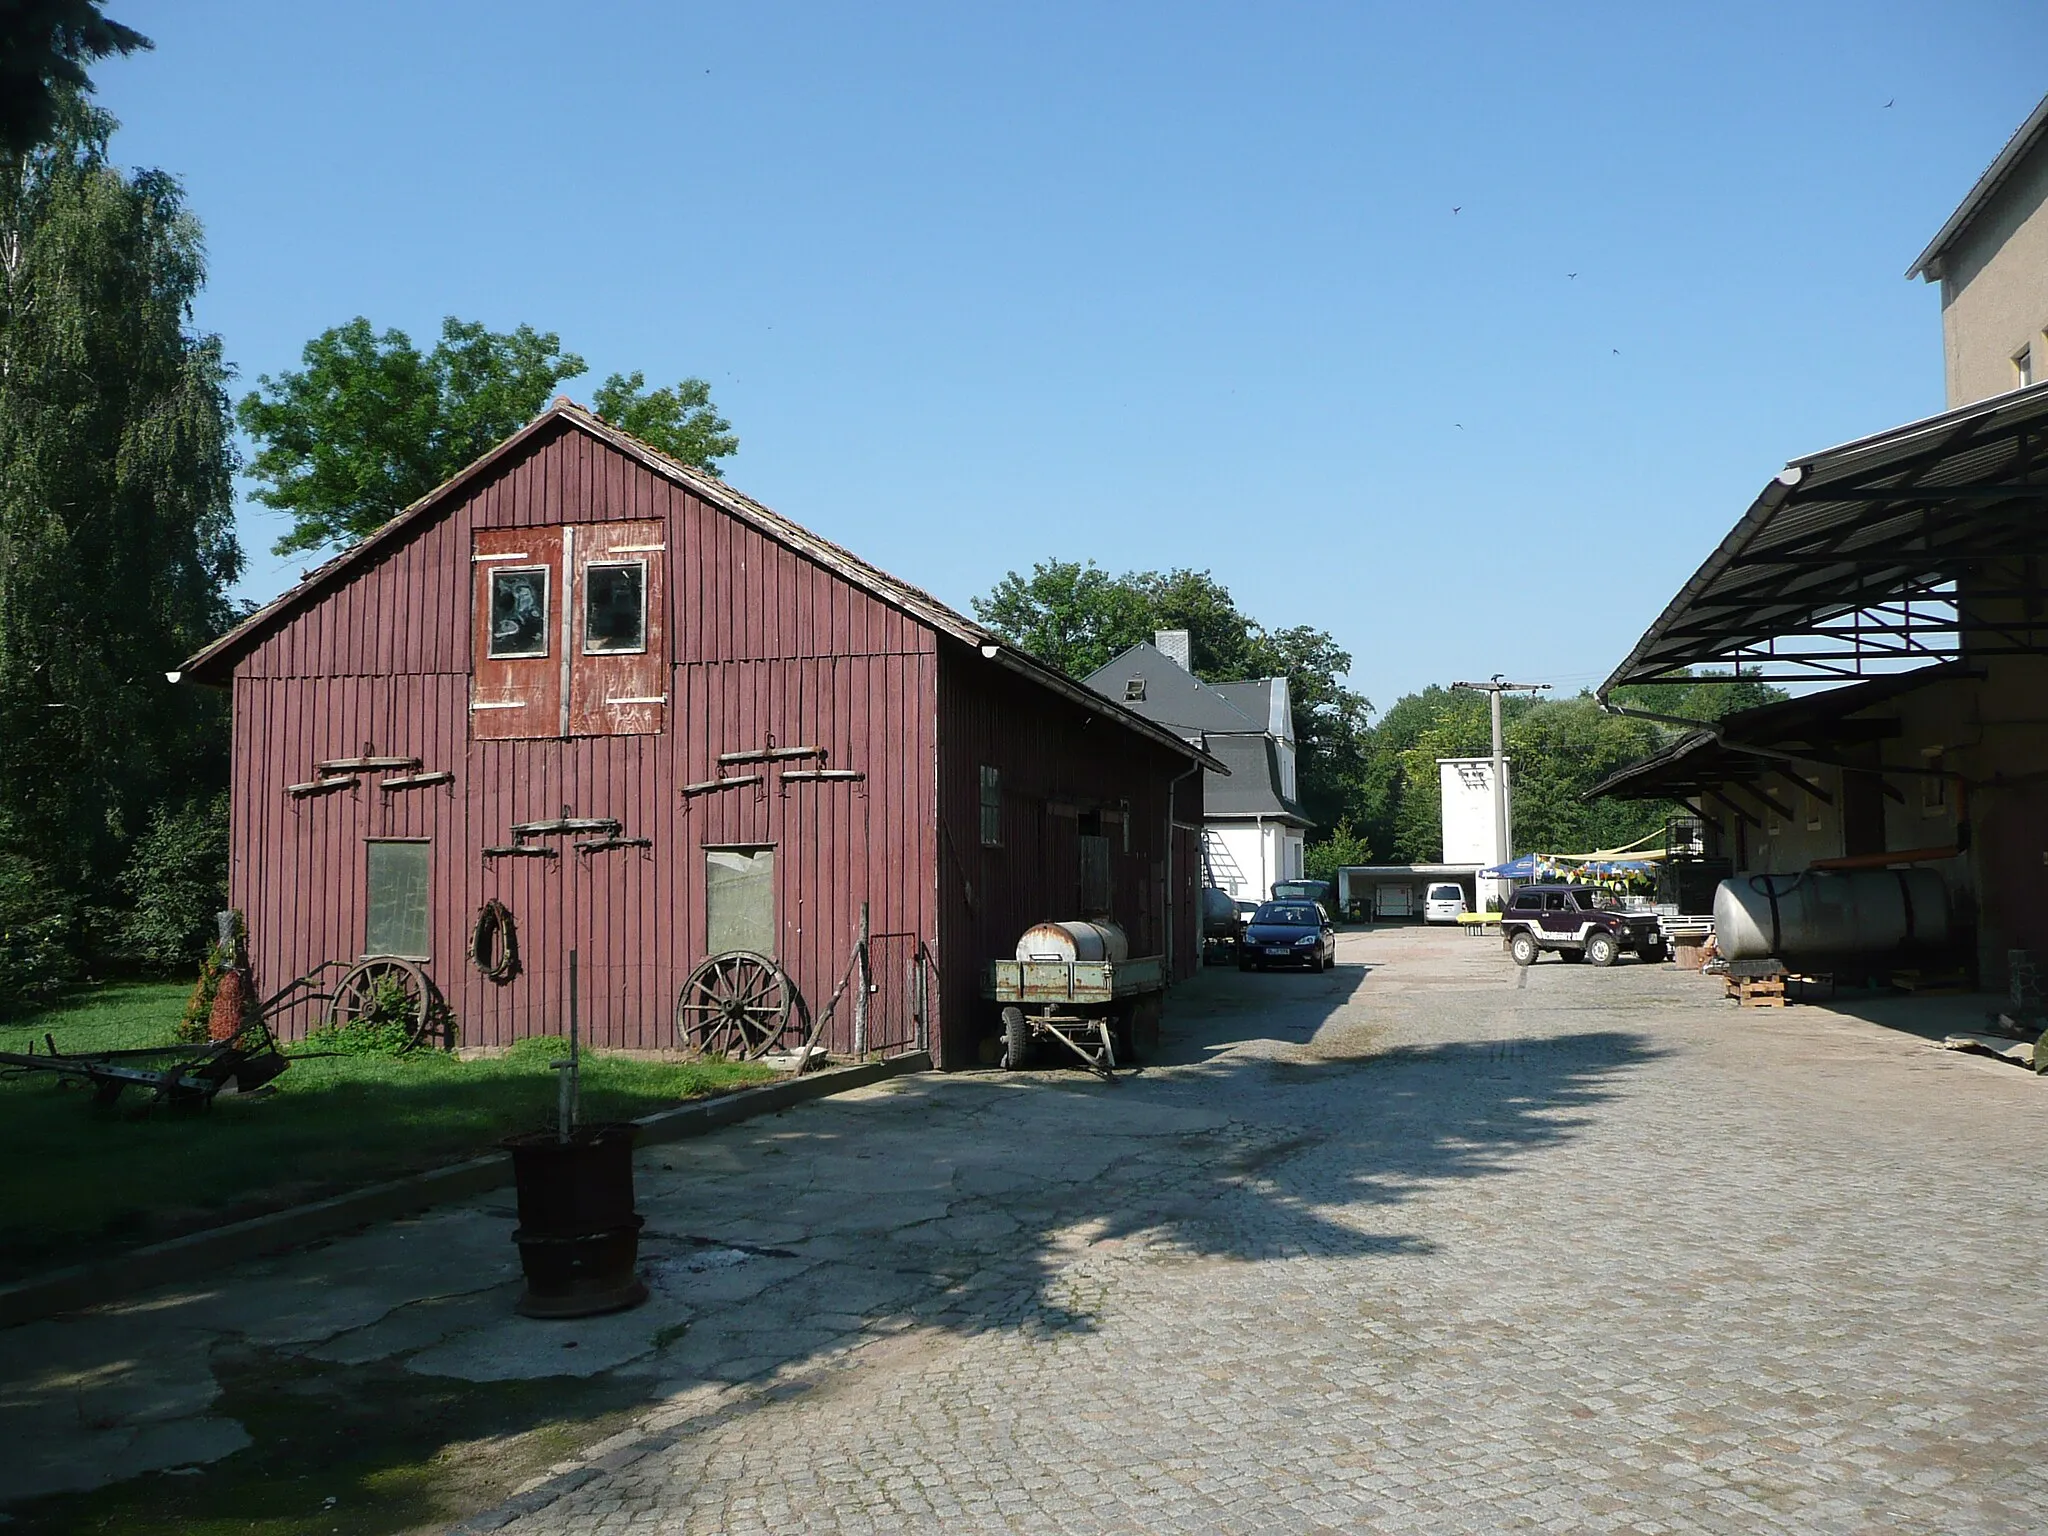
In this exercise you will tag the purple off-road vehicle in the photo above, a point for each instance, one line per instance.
(1579, 922)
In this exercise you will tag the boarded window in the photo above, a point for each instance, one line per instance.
(519, 611)
(991, 807)
(398, 899)
(739, 900)
(614, 608)
(1094, 874)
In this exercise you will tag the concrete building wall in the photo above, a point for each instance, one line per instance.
(1994, 288)
(1259, 853)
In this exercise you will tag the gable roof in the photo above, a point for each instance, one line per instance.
(1174, 696)
(215, 662)
(1929, 262)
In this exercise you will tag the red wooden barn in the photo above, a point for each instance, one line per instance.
(757, 732)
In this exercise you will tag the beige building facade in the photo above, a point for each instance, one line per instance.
(1991, 260)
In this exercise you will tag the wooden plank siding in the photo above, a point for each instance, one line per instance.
(1056, 760)
(764, 644)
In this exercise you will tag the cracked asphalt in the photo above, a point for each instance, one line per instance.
(1425, 1244)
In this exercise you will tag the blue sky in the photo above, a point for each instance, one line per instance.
(1150, 285)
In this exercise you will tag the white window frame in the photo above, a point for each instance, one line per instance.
(547, 597)
(604, 562)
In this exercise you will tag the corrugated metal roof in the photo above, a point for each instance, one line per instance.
(211, 663)
(1928, 263)
(1864, 523)
(1718, 752)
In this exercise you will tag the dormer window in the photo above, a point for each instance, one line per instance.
(1134, 690)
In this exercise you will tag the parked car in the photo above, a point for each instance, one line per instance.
(1444, 904)
(1321, 892)
(1288, 933)
(1578, 922)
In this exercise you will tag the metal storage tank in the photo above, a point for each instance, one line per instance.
(1830, 913)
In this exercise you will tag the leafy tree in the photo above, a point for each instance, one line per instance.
(1331, 852)
(116, 495)
(370, 424)
(1557, 748)
(44, 48)
(1072, 617)
(680, 421)
(1077, 617)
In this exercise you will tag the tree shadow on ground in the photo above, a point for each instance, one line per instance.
(968, 1204)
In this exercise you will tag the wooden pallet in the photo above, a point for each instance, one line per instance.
(1757, 991)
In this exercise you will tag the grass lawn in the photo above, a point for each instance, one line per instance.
(77, 1183)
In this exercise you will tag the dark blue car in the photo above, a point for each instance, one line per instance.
(1288, 933)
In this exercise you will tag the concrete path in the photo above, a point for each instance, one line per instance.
(1426, 1244)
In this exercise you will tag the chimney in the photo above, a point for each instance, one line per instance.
(1173, 644)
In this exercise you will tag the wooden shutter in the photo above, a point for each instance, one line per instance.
(517, 692)
(618, 688)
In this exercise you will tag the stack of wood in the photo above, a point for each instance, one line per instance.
(1756, 983)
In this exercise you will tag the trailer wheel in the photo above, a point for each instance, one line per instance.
(1522, 947)
(1134, 1030)
(1653, 954)
(1601, 949)
(1016, 1040)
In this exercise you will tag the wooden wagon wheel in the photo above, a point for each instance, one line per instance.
(355, 996)
(735, 1005)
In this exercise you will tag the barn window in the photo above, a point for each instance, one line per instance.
(398, 898)
(739, 900)
(519, 612)
(991, 807)
(614, 607)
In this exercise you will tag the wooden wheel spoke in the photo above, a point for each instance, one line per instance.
(735, 1004)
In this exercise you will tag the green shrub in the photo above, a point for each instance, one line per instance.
(177, 875)
(385, 1026)
(36, 922)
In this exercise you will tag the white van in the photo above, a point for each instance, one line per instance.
(1445, 903)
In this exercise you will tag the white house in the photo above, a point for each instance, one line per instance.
(1253, 828)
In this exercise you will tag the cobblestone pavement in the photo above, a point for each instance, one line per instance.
(1438, 1246)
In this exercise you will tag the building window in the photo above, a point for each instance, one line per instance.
(398, 898)
(2023, 366)
(614, 608)
(519, 612)
(1134, 690)
(1934, 791)
(739, 901)
(991, 807)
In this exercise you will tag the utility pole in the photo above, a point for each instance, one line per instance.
(1500, 766)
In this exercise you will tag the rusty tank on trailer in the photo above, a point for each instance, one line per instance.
(1072, 940)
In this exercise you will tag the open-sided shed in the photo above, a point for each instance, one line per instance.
(658, 721)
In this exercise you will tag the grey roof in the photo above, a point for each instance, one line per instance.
(213, 662)
(1254, 699)
(1174, 697)
(2031, 132)
(1253, 788)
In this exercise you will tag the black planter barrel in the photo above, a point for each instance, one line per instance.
(578, 1236)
